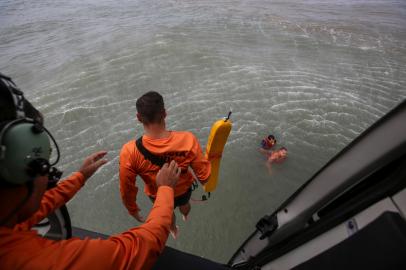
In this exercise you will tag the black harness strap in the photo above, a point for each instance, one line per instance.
(154, 159)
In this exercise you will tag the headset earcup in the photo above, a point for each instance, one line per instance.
(22, 147)
(38, 167)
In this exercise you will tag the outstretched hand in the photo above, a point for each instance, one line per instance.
(92, 163)
(168, 175)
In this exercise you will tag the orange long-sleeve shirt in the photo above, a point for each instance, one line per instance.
(181, 146)
(137, 248)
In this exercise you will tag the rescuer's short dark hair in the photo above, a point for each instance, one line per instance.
(151, 108)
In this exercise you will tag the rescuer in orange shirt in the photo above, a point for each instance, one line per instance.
(157, 145)
(26, 171)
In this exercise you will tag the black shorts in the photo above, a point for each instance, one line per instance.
(180, 200)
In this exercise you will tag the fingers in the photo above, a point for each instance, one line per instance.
(175, 170)
(178, 171)
(168, 175)
(172, 166)
(92, 163)
(163, 168)
(98, 155)
(100, 163)
(158, 176)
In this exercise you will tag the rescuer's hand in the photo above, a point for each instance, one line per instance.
(138, 217)
(168, 175)
(92, 163)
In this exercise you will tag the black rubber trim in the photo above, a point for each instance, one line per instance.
(66, 217)
(379, 245)
(173, 259)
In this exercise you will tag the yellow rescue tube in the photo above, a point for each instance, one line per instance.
(215, 145)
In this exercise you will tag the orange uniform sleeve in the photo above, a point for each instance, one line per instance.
(128, 188)
(54, 198)
(200, 165)
(148, 239)
(137, 248)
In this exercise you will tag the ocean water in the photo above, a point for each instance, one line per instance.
(313, 73)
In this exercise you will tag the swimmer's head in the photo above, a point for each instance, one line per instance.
(271, 137)
(271, 140)
(268, 142)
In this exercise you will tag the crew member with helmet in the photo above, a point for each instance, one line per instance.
(25, 172)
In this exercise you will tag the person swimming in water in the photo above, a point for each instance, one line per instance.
(277, 156)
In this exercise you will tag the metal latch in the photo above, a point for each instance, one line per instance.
(267, 225)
